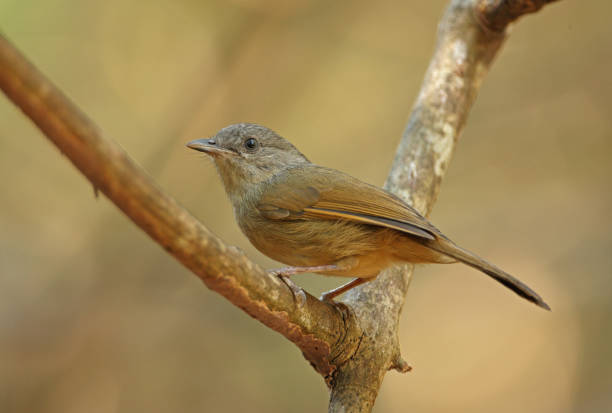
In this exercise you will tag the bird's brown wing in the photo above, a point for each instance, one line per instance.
(312, 191)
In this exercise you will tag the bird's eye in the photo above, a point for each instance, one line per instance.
(251, 144)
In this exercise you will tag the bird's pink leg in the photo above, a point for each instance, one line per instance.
(330, 295)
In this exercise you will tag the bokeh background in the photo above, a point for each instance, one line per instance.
(96, 317)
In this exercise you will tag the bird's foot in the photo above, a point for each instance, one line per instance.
(328, 296)
(298, 294)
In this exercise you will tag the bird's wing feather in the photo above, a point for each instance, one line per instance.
(330, 194)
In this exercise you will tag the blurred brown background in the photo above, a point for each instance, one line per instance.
(96, 317)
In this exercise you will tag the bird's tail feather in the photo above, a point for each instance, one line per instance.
(449, 248)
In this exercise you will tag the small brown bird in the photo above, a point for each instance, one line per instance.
(321, 220)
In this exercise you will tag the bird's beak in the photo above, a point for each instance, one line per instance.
(210, 147)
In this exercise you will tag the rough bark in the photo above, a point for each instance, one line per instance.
(469, 36)
(323, 332)
(353, 344)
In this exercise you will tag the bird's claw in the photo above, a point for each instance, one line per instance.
(298, 294)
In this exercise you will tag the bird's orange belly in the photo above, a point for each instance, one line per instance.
(359, 250)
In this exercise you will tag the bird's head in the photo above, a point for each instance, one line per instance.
(246, 154)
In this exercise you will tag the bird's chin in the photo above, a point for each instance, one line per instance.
(219, 153)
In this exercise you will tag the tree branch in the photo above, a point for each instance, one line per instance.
(470, 34)
(496, 15)
(352, 344)
(319, 329)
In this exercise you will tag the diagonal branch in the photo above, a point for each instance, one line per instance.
(319, 330)
(351, 345)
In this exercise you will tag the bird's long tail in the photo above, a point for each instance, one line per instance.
(449, 248)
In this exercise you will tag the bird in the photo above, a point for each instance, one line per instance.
(317, 219)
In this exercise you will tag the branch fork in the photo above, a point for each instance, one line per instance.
(351, 343)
